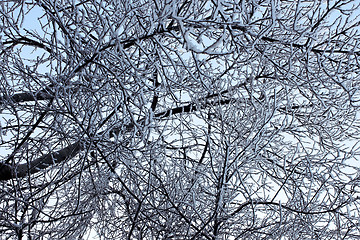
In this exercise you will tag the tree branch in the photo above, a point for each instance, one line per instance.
(28, 96)
(8, 171)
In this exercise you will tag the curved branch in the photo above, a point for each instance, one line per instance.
(284, 207)
(8, 171)
(26, 41)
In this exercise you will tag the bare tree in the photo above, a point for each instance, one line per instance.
(179, 119)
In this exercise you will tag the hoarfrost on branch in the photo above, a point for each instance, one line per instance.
(179, 119)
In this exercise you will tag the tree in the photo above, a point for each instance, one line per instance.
(179, 119)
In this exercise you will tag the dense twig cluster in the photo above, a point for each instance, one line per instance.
(179, 119)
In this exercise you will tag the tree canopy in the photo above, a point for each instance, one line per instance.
(178, 119)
